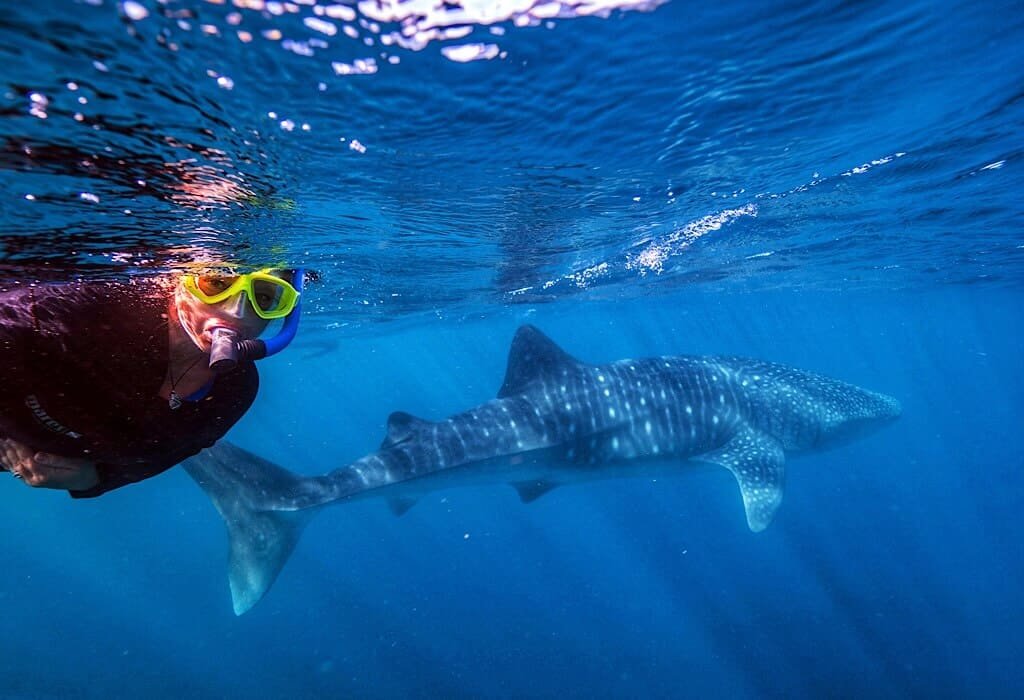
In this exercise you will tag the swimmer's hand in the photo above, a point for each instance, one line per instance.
(45, 470)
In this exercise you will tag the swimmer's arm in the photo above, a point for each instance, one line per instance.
(113, 476)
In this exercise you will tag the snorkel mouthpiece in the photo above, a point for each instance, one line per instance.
(224, 353)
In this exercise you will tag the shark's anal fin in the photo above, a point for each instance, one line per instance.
(758, 463)
(401, 427)
(401, 506)
(530, 491)
(532, 355)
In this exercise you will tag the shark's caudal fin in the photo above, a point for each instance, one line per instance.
(532, 356)
(260, 540)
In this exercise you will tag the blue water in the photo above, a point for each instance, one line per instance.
(834, 186)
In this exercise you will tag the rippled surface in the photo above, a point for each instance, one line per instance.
(448, 157)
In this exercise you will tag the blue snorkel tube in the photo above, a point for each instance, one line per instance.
(226, 352)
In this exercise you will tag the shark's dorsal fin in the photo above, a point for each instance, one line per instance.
(401, 426)
(401, 506)
(530, 491)
(532, 355)
(758, 463)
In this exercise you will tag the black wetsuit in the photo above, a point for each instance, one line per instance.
(82, 365)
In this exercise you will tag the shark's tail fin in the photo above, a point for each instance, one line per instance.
(240, 484)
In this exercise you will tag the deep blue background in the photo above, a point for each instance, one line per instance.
(880, 143)
(892, 568)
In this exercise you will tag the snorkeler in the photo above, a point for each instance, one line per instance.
(107, 384)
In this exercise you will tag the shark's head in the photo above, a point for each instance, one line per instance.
(863, 413)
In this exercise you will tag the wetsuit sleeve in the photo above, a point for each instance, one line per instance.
(18, 336)
(230, 403)
(43, 330)
(114, 476)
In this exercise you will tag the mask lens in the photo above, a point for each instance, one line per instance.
(212, 285)
(267, 295)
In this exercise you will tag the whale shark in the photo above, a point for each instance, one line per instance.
(556, 420)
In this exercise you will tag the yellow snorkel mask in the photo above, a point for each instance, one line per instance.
(271, 296)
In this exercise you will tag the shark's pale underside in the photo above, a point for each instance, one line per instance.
(556, 420)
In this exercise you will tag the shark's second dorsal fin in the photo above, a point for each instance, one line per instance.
(532, 355)
(401, 426)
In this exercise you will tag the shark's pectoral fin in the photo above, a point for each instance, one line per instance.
(758, 463)
(401, 506)
(530, 491)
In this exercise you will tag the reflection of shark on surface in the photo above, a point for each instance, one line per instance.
(556, 420)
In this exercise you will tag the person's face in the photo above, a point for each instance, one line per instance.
(199, 319)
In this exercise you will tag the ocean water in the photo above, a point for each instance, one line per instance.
(834, 186)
